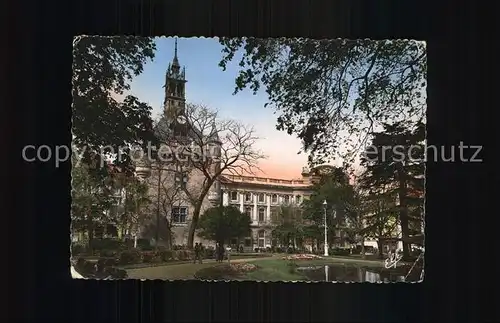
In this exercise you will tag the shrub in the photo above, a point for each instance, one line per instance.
(103, 268)
(340, 251)
(107, 243)
(166, 255)
(107, 253)
(102, 264)
(179, 247)
(115, 273)
(78, 249)
(144, 244)
(151, 257)
(129, 257)
(208, 253)
(183, 255)
(84, 267)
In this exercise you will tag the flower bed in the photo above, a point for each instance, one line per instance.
(102, 269)
(223, 272)
(302, 257)
(242, 267)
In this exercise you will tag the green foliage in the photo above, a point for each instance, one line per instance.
(334, 188)
(393, 175)
(325, 88)
(128, 257)
(151, 257)
(288, 224)
(223, 223)
(103, 68)
(91, 198)
(107, 244)
(132, 212)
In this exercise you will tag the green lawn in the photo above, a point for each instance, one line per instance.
(174, 270)
(269, 268)
(272, 270)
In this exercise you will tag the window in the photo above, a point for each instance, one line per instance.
(261, 198)
(274, 198)
(287, 199)
(248, 197)
(181, 180)
(179, 214)
(261, 241)
(274, 214)
(262, 214)
(234, 196)
(297, 199)
(248, 212)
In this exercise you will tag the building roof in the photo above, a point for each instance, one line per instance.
(293, 184)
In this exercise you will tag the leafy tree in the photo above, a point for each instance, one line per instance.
(288, 225)
(91, 199)
(355, 204)
(135, 203)
(334, 188)
(207, 145)
(328, 89)
(222, 223)
(103, 68)
(395, 164)
(380, 217)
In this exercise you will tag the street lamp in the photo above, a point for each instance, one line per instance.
(326, 232)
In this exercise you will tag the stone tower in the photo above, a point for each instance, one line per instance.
(175, 90)
(215, 193)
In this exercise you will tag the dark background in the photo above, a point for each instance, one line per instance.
(36, 110)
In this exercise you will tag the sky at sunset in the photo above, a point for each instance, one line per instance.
(209, 85)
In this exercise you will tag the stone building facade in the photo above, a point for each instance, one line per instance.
(260, 198)
(167, 181)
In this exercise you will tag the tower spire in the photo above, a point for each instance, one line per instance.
(175, 53)
(175, 62)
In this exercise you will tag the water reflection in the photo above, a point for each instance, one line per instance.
(345, 273)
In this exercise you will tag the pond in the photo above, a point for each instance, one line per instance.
(349, 273)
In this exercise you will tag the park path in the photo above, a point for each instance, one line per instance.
(179, 271)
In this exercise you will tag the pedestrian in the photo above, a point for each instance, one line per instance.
(221, 253)
(228, 253)
(217, 253)
(196, 251)
(201, 252)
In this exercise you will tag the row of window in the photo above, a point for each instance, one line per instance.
(261, 215)
(261, 198)
(261, 238)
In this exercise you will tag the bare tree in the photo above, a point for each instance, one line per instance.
(200, 147)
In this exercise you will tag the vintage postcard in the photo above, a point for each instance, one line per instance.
(285, 159)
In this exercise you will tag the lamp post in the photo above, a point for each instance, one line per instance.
(326, 231)
(157, 231)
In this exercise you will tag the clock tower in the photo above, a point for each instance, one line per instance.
(175, 89)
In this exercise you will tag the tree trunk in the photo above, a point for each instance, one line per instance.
(193, 226)
(380, 246)
(91, 237)
(363, 247)
(403, 215)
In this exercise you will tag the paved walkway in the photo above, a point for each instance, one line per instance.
(179, 271)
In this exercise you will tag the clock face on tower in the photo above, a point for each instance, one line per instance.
(181, 119)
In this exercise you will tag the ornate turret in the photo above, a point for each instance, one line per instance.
(175, 86)
(215, 193)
